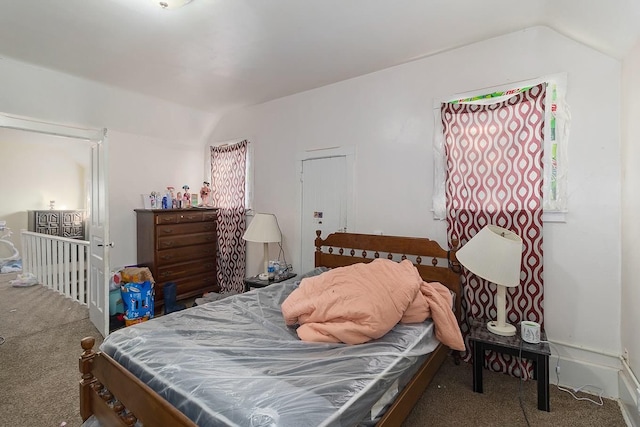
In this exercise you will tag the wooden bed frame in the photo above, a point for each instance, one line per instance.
(114, 395)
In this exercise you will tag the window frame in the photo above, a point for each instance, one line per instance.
(249, 170)
(556, 136)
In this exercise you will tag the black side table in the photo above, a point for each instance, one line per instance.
(483, 340)
(255, 282)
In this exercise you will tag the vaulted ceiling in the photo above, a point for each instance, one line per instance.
(219, 54)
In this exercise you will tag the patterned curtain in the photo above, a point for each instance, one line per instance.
(228, 166)
(494, 176)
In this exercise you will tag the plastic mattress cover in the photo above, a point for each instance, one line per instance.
(235, 362)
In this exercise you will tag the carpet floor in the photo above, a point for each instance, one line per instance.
(39, 376)
(38, 359)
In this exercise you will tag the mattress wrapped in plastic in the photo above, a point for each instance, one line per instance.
(235, 362)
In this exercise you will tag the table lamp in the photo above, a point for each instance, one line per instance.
(495, 254)
(263, 229)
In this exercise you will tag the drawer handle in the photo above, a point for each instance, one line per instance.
(167, 244)
(166, 257)
(168, 230)
(209, 238)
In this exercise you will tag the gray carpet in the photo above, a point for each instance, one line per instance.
(450, 400)
(39, 376)
(38, 360)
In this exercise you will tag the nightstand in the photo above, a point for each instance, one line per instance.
(255, 282)
(483, 340)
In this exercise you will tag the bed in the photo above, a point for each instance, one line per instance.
(234, 362)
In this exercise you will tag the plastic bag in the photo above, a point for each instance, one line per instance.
(138, 299)
(24, 280)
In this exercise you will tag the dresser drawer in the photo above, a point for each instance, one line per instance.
(167, 218)
(209, 215)
(182, 216)
(184, 269)
(170, 242)
(190, 216)
(172, 256)
(186, 228)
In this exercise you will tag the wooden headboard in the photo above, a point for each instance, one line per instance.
(434, 263)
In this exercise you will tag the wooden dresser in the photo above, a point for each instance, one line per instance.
(63, 223)
(179, 245)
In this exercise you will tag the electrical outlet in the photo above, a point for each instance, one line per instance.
(625, 354)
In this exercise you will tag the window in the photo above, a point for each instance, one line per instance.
(556, 132)
(238, 155)
(231, 194)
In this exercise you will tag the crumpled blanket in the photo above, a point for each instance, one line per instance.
(361, 302)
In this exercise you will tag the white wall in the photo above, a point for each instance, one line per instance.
(152, 143)
(388, 117)
(139, 165)
(630, 213)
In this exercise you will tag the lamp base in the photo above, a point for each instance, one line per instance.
(506, 330)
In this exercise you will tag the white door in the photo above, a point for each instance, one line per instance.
(325, 202)
(99, 239)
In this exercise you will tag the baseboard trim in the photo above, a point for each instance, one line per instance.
(628, 399)
(588, 369)
(580, 366)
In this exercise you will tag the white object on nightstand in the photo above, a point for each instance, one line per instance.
(530, 331)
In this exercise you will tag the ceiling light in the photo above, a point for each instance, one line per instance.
(172, 4)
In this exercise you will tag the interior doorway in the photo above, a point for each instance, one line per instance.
(97, 206)
(39, 172)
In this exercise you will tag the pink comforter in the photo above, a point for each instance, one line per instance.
(361, 302)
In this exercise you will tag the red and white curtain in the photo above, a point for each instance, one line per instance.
(494, 175)
(228, 174)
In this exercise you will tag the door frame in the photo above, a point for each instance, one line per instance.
(349, 153)
(92, 137)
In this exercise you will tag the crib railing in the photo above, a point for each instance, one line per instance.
(58, 263)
